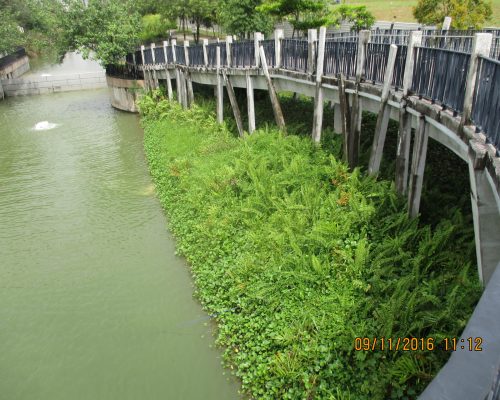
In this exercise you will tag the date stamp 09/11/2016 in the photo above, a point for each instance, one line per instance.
(417, 344)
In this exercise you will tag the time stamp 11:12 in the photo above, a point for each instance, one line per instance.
(417, 344)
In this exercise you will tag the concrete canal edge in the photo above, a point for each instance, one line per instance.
(124, 92)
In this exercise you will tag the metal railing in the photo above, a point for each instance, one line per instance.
(294, 54)
(440, 76)
(340, 58)
(124, 71)
(243, 53)
(486, 103)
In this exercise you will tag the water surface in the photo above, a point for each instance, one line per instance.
(93, 302)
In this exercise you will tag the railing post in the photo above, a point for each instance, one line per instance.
(256, 39)
(481, 46)
(153, 56)
(205, 52)
(250, 103)
(167, 72)
(414, 40)
(177, 73)
(446, 24)
(312, 37)
(278, 35)
(146, 73)
(318, 98)
(229, 41)
(363, 38)
(187, 76)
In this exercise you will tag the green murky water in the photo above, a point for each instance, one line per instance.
(93, 302)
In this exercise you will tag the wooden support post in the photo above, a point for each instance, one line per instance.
(403, 151)
(187, 76)
(418, 167)
(205, 52)
(345, 116)
(383, 116)
(318, 97)
(312, 37)
(183, 85)
(405, 119)
(177, 72)
(278, 35)
(257, 37)
(229, 42)
(250, 103)
(167, 72)
(219, 90)
(481, 46)
(356, 111)
(234, 103)
(337, 118)
(278, 114)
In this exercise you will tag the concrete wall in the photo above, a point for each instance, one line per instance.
(53, 83)
(15, 69)
(123, 93)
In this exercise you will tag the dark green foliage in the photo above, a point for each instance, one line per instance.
(297, 257)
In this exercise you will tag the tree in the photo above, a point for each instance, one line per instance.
(241, 17)
(358, 16)
(155, 27)
(10, 35)
(463, 13)
(302, 14)
(105, 30)
(201, 12)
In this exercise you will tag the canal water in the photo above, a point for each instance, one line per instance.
(93, 302)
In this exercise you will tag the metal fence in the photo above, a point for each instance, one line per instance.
(340, 57)
(399, 67)
(125, 71)
(269, 51)
(212, 54)
(159, 55)
(180, 57)
(440, 75)
(243, 53)
(486, 102)
(148, 57)
(294, 54)
(195, 54)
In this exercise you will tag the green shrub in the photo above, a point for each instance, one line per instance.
(155, 27)
(297, 257)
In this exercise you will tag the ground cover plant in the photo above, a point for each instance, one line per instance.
(295, 257)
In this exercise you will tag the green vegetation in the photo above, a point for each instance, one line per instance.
(297, 257)
(154, 27)
(241, 17)
(464, 14)
(34, 24)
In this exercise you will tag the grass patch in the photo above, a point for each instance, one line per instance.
(297, 257)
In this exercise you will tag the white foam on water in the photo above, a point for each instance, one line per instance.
(46, 75)
(44, 126)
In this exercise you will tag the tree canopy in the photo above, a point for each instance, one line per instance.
(241, 17)
(463, 13)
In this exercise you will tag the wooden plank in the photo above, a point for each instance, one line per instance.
(318, 97)
(234, 103)
(278, 113)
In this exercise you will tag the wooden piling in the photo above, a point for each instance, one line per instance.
(234, 103)
(418, 167)
(153, 56)
(403, 151)
(205, 52)
(278, 114)
(144, 70)
(318, 97)
(345, 116)
(383, 116)
(257, 37)
(229, 42)
(219, 89)
(312, 37)
(250, 103)
(405, 119)
(278, 35)
(187, 76)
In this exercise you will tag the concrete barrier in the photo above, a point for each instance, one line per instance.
(123, 93)
(53, 84)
